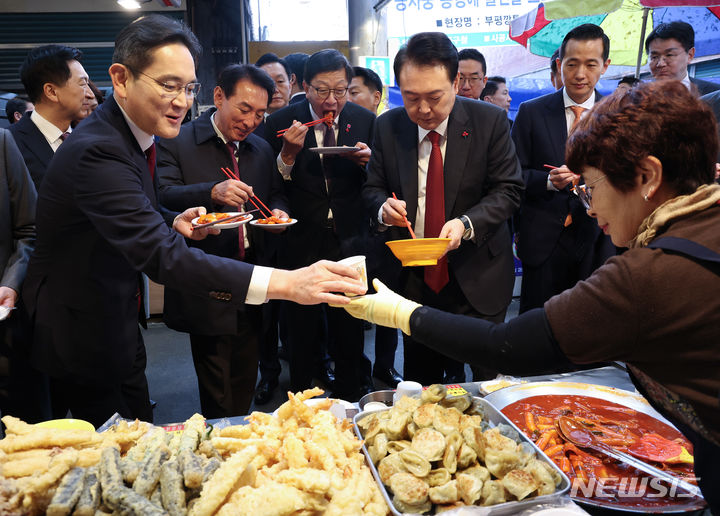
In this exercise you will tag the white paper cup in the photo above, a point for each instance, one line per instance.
(407, 388)
(357, 263)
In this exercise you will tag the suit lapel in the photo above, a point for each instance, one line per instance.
(457, 149)
(36, 142)
(557, 124)
(406, 136)
(138, 156)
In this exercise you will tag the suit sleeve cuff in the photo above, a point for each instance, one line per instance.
(259, 282)
(550, 186)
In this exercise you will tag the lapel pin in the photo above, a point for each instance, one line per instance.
(465, 134)
(347, 129)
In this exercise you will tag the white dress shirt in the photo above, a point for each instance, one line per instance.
(570, 118)
(52, 134)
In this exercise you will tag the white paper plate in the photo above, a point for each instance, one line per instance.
(228, 225)
(334, 150)
(271, 226)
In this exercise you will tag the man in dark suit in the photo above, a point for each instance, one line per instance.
(324, 195)
(558, 243)
(223, 337)
(98, 226)
(57, 84)
(296, 61)
(452, 163)
(23, 392)
(670, 48)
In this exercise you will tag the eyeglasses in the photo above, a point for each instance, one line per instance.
(324, 93)
(472, 81)
(172, 90)
(584, 192)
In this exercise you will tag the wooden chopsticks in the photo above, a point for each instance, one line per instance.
(327, 118)
(407, 222)
(229, 173)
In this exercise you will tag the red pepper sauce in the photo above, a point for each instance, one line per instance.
(593, 475)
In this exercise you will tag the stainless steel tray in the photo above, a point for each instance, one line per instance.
(508, 395)
(493, 417)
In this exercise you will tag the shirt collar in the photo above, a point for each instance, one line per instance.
(588, 104)
(218, 132)
(441, 129)
(49, 130)
(315, 116)
(144, 139)
(686, 81)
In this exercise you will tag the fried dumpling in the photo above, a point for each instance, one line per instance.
(429, 443)
(519, 483)
(493, 493)
(434, 394)
(469, 488)
(409, 489)
(389, 466)
(438, 477)
(415, 463)
(423, 415)
(446, 493)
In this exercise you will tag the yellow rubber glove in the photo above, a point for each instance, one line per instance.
(385, 308)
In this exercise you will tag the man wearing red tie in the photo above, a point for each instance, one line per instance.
(558, 243)
(223, 336)
(452, 164)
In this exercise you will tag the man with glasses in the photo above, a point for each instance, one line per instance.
(324, 193)
(473, 73)
(670, 48)
(558, 243)
(223, 337)
(57, 84)
(99, 225)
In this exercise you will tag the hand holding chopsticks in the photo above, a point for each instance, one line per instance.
(407, 222)
(231, 175)
(326, 119)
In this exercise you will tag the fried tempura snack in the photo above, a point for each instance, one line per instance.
(68, 493)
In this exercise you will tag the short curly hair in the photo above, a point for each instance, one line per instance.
(660, 119)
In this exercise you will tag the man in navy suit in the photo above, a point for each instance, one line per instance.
(57, 84)
(324, 195)
(670, 48)
(223, 337)
(558, 243)
(98, 227)
(466, 145)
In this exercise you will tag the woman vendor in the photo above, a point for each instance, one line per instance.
(647, 160)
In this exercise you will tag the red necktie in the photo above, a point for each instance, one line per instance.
(436, 276)
(150, 155)
(577, 111)
(64, 135)
(232, 149)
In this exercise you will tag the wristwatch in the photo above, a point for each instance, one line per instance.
(468, 227)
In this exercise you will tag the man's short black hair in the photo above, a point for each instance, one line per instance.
(428, 49)
(232, 74)
(679, 30)
(136, 41)
(296, 61)
(15, 105)
(630, 80)
(328, 60)
(586, 32)
(471, 53)
(498, 79)
(48, 63)
(490, 89)
(369, 77)
(553, 61)
(273, 58)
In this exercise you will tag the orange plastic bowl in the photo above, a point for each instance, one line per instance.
(415, 252)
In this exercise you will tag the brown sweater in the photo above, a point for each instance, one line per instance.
(657, 311)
